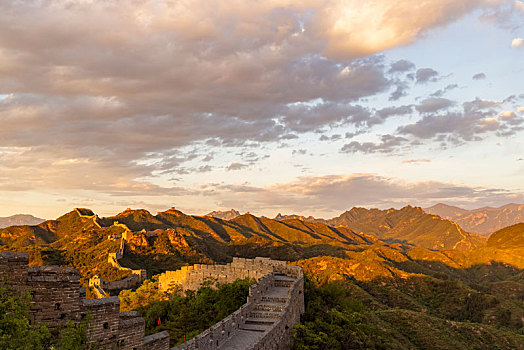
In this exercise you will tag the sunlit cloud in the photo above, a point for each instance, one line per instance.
(332, 194)
(120, 98)
(517, 42)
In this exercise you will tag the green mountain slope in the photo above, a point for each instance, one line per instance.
(170, 239)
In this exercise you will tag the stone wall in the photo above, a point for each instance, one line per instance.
(57, 300)
(105, 318)
(13, 269)
(88, 215)
(192, 277)
(279, 335)
(217, 334)
(56, 294)
(132, 333)
(158, 340)
(136, 277)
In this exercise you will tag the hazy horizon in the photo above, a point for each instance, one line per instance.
(154, 212)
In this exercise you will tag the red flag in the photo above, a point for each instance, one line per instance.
(184, 338)
(159, 323)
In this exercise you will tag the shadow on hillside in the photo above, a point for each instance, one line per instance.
(491, 294)
(478, 277)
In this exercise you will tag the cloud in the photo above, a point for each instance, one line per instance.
(442, 92)
(333, 194)
(508, 16)
(433, 104)
(305, 117)
(507, 114)
(368, 27)
(401, 90)
(297, 152)
(477, 117)
(120, 92)
(517, 42)
(479, 76)
(519, 5)
(387, 112)
(388, 144)
(511, 119)
(425, 75)
(236, 166)
(411, 161)
(401, 66)
(333, 137)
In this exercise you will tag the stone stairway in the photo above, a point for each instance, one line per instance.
(265, 313)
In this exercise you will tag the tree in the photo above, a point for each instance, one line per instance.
(17, 332)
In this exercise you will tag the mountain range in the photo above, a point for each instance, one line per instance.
(398, 269)
(78, 236)
(483, 221)
(224, 215)
(19, 219)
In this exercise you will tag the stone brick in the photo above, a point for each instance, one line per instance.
(57, 299)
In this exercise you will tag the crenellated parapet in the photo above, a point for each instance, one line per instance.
(192, 277)
(136, 277)
(265, 321)
(56, 299)
(88, 214)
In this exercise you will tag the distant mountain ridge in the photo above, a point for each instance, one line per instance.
(483, 221)
(281, 217)
(19, 219)
(410, 225)
(224, 215)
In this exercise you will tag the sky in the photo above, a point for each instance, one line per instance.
(279, 106)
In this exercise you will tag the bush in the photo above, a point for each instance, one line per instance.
(17, 333)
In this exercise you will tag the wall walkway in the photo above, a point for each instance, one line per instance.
(265, 321)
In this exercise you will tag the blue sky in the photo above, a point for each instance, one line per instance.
(307, 107)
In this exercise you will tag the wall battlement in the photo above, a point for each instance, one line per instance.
(191, 277)
(137, 276)
(265, 321)
(57, 300)
(88, 214)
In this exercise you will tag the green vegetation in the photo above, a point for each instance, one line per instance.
(363, 292)
(189, 315)
(417, 312)
(336, 320)
(17, 333)
(146, 294)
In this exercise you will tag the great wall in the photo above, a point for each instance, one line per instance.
(265, 321)
(99, 285)
(57, 299)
